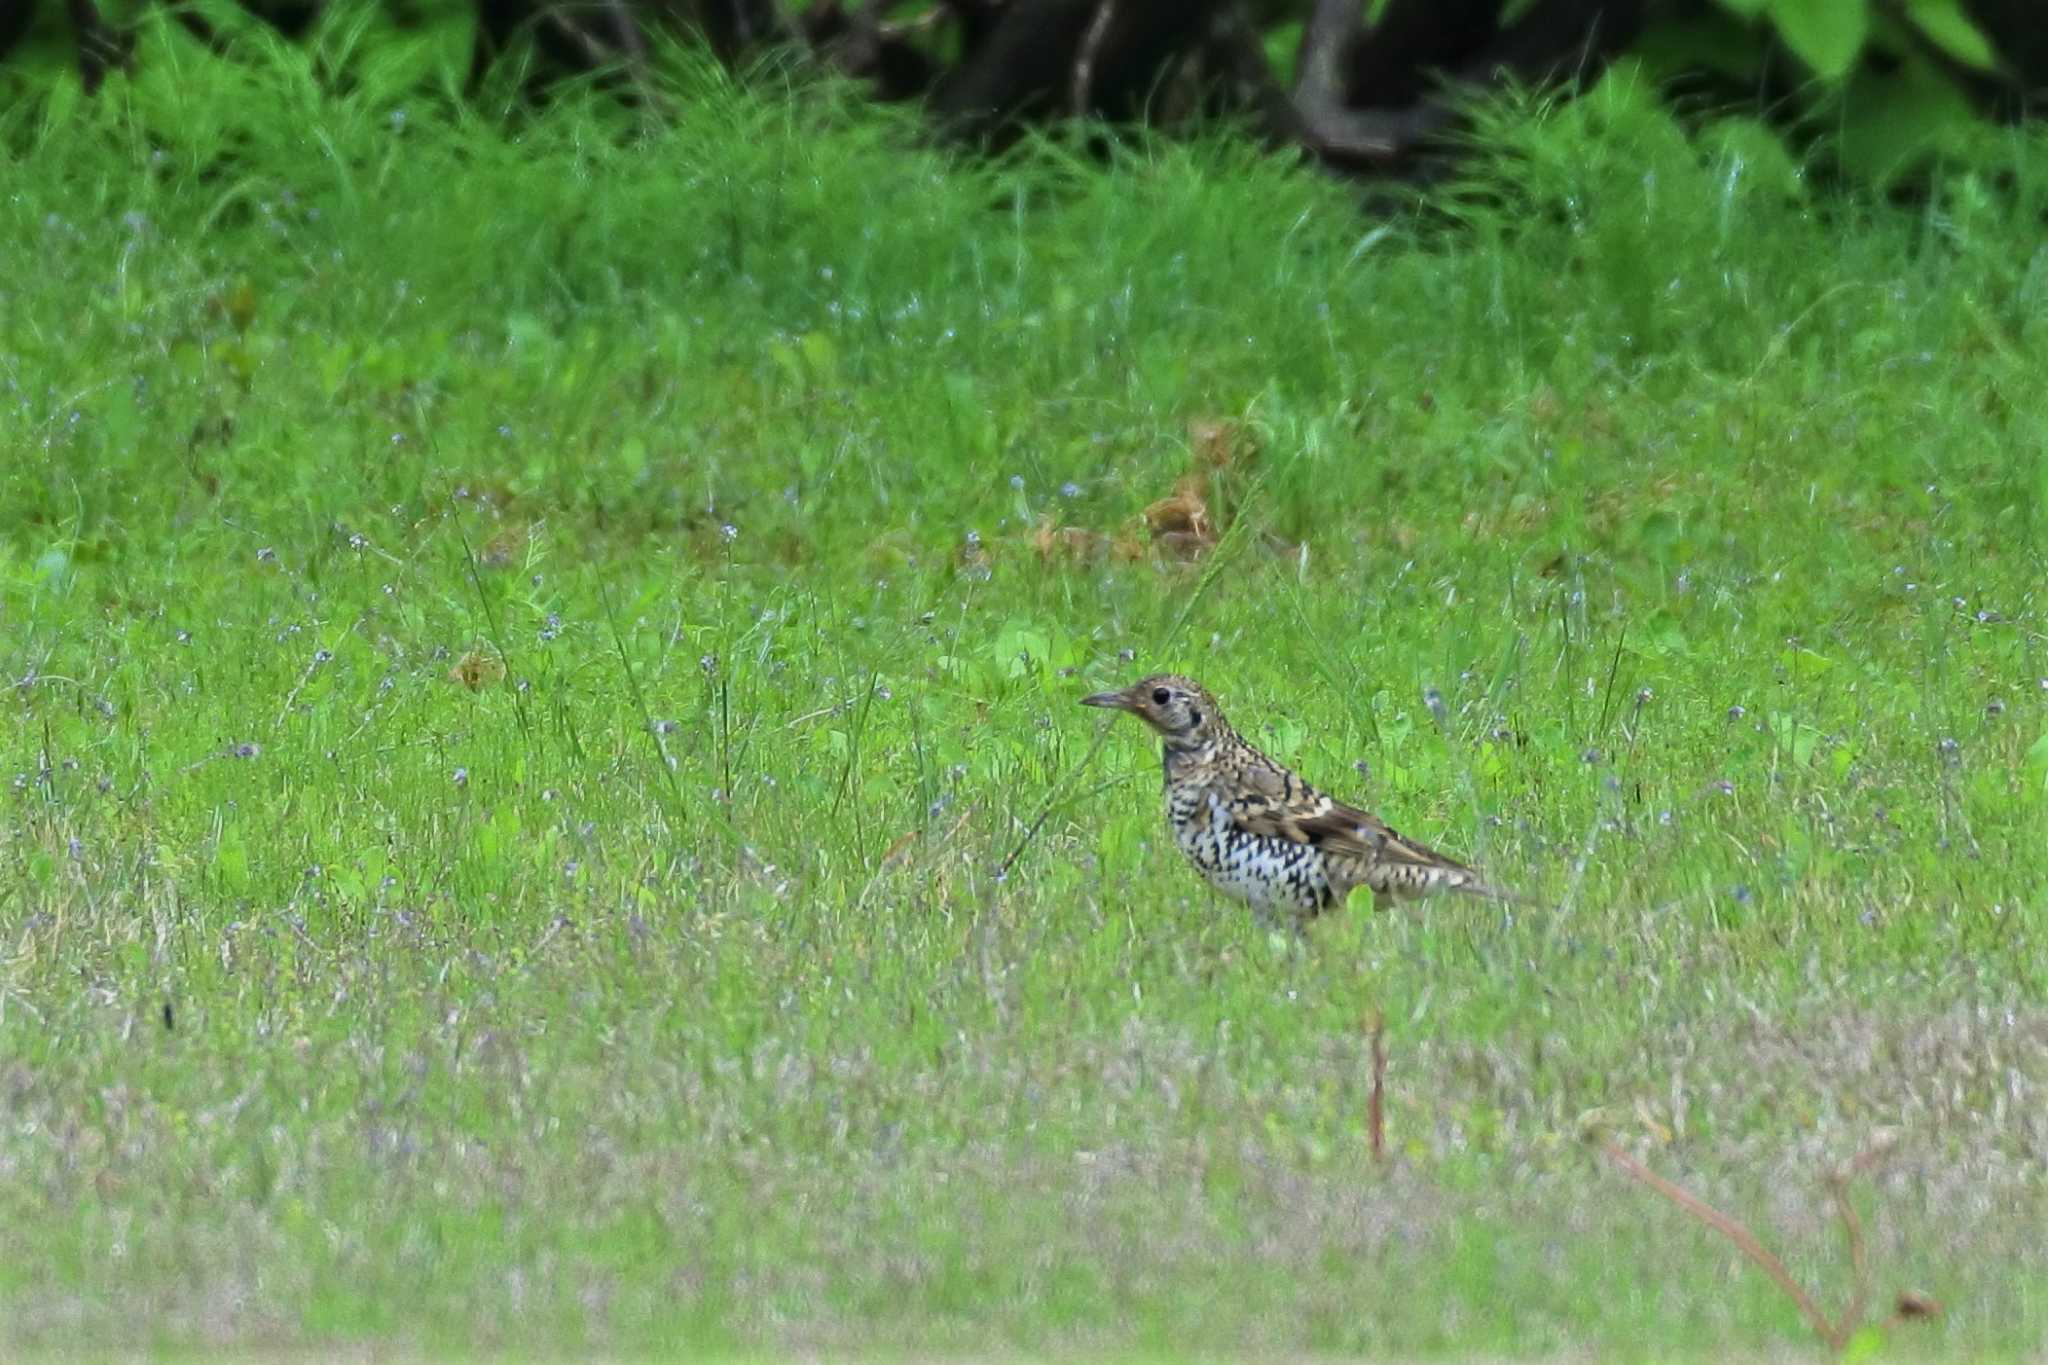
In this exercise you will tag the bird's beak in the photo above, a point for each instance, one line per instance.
(1119, 701)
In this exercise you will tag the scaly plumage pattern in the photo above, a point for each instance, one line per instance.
(1257, 831)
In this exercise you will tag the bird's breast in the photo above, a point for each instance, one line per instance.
(1258, 868)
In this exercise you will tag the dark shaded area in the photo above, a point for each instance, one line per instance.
(2018, 30)
(15, 16)
(1373, 99)
(100, 47)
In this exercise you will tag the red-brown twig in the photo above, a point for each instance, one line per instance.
(1852, 1233)
(1745, 1241)
(1835, 1333)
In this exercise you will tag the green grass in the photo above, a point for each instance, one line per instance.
(662, 994)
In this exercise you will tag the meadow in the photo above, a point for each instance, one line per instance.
(546, 808)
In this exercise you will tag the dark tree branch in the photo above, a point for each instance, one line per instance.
(1014, 71)
(858, 43)
(100, 48)
(1562, 42)
(1332, 129)
(734, 28)
(1091, 49)
(1233, 54)
(1377, 99)
(618, 33)
(1140, 42)
(1028, 62)
(1396, 65)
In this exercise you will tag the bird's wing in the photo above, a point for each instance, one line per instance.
(1268, 800)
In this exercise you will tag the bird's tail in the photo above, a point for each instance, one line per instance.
(1476, 885)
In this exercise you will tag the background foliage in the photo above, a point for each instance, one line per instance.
(1879, 89)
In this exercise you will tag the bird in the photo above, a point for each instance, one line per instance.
(1258, 832)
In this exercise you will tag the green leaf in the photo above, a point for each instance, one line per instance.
(1893, 123)
(1021, 650)
(788, 361)
(1669, 641)
(2037, 760)
(1804, 664)
(1826, 34)
(1748, 149)
(821, 356)
(1950, 29)
(1796, 740)
(1288, 734)
(231, 860)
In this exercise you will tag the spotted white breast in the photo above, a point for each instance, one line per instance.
(1258, 869)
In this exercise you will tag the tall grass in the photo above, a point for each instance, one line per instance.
(530, 642)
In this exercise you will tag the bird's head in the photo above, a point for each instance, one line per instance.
(1184, 715)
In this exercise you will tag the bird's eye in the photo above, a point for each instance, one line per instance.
(1160, 696)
